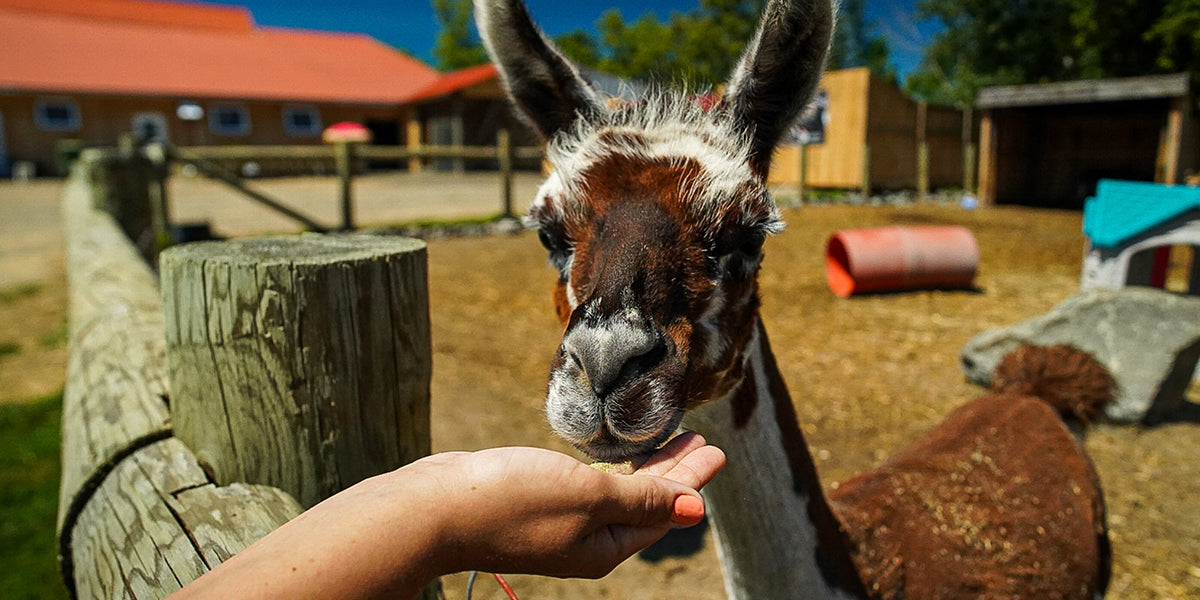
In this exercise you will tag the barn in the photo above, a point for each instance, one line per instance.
(1048, 145)
(188, 73)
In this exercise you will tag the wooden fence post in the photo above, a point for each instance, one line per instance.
(138, 517)
(301, 363)
(343, 156)
(504, 154)
(802, 180)
(121, 182)
(866, 172)
(160, 205)
(922, 152)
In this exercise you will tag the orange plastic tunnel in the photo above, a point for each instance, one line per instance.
(900, 258)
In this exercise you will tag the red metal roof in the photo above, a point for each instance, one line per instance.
(145, 48)
(456, 81)
(194, 15)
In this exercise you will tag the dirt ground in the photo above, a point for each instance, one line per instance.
(868, 374)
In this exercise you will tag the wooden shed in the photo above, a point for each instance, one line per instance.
(1048, 145)
(872, 135)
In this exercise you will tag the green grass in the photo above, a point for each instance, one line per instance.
(12, 294)
(55, 338)
(29, 478)
(9, 349)
(447, 222)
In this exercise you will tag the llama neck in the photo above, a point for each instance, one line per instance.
(776, 535)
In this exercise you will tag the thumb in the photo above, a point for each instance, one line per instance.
(655, 502)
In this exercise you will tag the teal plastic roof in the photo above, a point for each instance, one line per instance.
(1122, 210)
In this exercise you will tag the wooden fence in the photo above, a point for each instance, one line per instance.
(266, 375)
(220, 163)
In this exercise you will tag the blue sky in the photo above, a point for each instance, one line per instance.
(409, 24)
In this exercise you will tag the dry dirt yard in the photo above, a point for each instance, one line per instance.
(868, 373)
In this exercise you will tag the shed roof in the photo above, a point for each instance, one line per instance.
(1084, 92)
(173, 49)
(1123, 210)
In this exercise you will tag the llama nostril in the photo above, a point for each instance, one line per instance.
(968, 364)
(612, 354)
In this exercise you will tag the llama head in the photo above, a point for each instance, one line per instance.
(655, 217)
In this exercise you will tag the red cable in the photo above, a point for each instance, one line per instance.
(504, 584)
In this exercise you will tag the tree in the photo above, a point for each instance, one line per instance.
(1178, 34)
(997, 42)
(457, 44)
(994, 42)
(855, 43)
(697, 49)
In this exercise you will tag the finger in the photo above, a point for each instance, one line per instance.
(697, 468)
(669, 455)
(639, 501)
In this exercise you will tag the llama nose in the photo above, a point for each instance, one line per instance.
(612, 351)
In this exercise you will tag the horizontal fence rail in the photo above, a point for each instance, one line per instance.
(215, 162)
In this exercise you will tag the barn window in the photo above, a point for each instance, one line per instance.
(301, 121)
(57, 115)
(229, 119)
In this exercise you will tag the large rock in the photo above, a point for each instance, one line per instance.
(1149, 339)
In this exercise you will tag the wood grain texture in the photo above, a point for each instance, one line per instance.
(138, 517)
(157, 523)
(116, 375)
(299, 362)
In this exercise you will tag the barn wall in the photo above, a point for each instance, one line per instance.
(104, 118)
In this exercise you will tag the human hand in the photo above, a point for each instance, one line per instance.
(512, 510)
(526, 510)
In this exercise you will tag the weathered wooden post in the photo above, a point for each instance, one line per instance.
(343, 158)
(121, 181)
(970, 152)
(301, 363)
(504, 154)
(802, 180)
(345, 137)
(866, 172)
(922, 152)
(160, 210)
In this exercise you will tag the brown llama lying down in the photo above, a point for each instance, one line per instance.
(997, 501)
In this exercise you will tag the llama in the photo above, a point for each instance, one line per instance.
(655, 217)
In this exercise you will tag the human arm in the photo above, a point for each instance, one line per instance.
(512, 510)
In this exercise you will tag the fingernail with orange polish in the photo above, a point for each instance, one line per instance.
(688, 510)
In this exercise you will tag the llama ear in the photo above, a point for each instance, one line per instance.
(779, 72)
(545, 86)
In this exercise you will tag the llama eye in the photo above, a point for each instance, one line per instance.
(552, 241)
(558, 247)
(744, 241)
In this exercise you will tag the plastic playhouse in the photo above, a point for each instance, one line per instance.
(1131, 227)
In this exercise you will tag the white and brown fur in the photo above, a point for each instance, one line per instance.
(655, 217)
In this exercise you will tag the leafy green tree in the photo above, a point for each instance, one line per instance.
(697, 49)
(1177, 32)
(994, 42)
(457, 44)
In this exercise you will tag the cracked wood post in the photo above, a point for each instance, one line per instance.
(301, 363)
